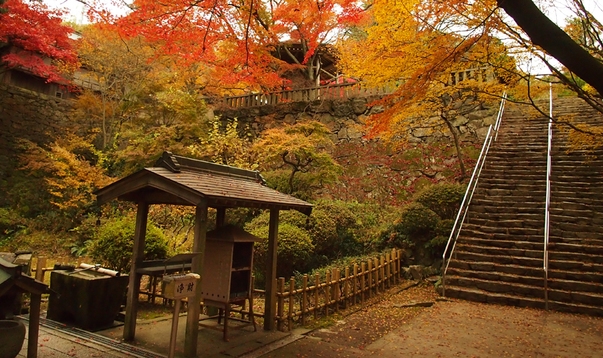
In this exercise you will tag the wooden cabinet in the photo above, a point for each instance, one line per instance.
(227, 271)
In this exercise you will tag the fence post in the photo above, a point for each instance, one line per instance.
(354, 278)
(280, 314)
(382, 272)
(316, 286)
(346, 287)
(336, 289)
(303, 305)
(362, 281)
(291, 302)
(40, 266)
(388, 263)
(369, 278)
(327, 293)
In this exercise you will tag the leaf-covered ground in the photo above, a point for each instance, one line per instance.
(389, 328)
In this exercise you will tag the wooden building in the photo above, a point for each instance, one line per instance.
(178, 180)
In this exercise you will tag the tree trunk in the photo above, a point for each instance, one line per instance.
(457, 146)
(546, 34)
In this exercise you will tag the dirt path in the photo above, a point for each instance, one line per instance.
(451, 329)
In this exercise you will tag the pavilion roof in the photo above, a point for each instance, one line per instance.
(181, 180)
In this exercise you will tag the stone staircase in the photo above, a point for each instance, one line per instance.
(500, 250)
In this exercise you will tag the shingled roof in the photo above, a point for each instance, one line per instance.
(181, 180)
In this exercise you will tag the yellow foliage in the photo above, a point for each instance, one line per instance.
(70, 176)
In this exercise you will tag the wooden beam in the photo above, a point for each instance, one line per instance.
(134, 280)
(270, 305)
(192, 317)
(34, 325)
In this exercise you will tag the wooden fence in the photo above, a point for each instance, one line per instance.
(314, 297)
(335, 91)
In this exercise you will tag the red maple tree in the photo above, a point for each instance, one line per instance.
(33, 38)
(236, 39)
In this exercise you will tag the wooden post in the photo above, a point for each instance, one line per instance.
(40, 266)
(303, 305)
(397, 266)
(281, 304)
(346, 290)
(382, 272)
(316, 286)
(34, 324)
(376, 274)
(388, 262)
(370, 277)
(362, 266)
(327, 293)
(336, 290)
(291, 301)
(220, 217)
(140, 230)
(194, 307)
(270, 304)
(354, 278)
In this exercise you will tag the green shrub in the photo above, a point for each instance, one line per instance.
(444, 199)
(418, 222)
(113, 244)
(294, 249)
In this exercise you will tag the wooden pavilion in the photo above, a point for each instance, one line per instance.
(178, 180)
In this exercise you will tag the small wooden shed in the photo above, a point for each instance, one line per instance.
(178, 180)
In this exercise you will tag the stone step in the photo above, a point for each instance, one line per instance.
(573, 236)
(478, 295)
(462, 265)
(493, 215)
(518, 181)
(590, 248)
(506, 260)
(571, 227)
(502, 236)
(593, 223)
(496, 250)
(518, 198)
(478, 231)
(575, 266)
(493, 242)
(494, 276)
(457, 266)
(573, 204)
(576, 308)
(514, 173)
(497, 286)
(519, 156)
(483, 206)
(595, 277)
(553, 283)
(517, 223)
(482, 202)
(577, 297)
(583, 257)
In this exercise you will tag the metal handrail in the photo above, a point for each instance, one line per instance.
(458, 223)
(545, 260)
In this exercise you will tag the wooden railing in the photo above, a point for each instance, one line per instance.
(335, 91)
(480, 74)
(341, 91)
(314, 297)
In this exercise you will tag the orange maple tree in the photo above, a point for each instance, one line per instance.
(33, 34)
(237, 39)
